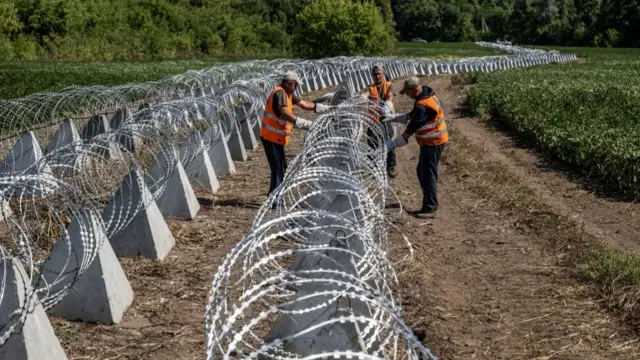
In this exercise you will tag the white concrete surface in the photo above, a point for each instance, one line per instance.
(147, 234)
(102, 292)
(178, 200)
(36, 339)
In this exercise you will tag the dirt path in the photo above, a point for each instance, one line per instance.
(485, 281)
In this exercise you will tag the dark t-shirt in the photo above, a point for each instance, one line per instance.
(280, 99)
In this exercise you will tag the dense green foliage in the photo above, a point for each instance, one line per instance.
(142, 29)
(540, 22)
(585, 114)
(341, 28)
(21, 78)
(152, 29)
(148, 29)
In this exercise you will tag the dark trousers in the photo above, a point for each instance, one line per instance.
(428, 175)
(375, 142)
(277, 162)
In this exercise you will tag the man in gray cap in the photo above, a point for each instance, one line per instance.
(278, 121)
(426, 120)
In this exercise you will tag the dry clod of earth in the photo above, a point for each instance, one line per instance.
(492, 277)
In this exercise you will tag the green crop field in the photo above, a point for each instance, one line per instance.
(21, 78)
(586, 114)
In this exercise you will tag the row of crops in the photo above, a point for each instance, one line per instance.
(585, 114)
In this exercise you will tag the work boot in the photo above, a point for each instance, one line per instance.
(392, 172)
(424, 213)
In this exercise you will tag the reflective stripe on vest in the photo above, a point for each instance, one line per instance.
(433, 132)
(275, 129)
(374, 97)
(274, 118)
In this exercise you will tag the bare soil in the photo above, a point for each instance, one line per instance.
(491, 276)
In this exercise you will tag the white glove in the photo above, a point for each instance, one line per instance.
(303, 124)
(399, 141)
(386, 111)
(398, 118)
(389, 105)
(322, 108)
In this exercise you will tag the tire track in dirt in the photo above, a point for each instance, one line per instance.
(484, 279)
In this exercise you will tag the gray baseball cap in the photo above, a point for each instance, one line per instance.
(290, 75)
(409, 84)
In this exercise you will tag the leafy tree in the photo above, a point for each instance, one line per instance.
(9, 19)
(418, 19)
(340, 27)
(148, 29)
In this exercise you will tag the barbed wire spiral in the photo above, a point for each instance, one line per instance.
(83, 162)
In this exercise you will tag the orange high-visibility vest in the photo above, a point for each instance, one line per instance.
(434, 132)
(375, 98)
(274, 128)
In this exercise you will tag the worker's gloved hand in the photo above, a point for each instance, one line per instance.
(399, 141)
(397, 118)
(303, 124)
(389, 105)
(322, 108)
(386, 111)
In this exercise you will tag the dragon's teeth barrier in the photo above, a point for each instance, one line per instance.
(87, 168)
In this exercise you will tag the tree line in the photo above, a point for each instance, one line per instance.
(602, 23)
(150, 29)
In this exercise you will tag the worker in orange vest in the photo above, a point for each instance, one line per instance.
(278, 121)
(381, 96)
(426, 120)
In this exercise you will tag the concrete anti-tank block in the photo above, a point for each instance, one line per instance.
(128, 140)
(147, 234)
(306, 86)
(36, 339)
(219, 153)
(258, 123)
(200, 170)
(236, 145)
(178, 199)
(66, 135)
(23, 156)
(121, 116)
(202, 174)
(102, 293)
(321, 81)
(95, 126)
(327, 78)
(246, 130)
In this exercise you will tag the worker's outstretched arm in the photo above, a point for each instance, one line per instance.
(298, 122)
(287, 114)
(418, 117)
(306, 105)
(317, 107)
